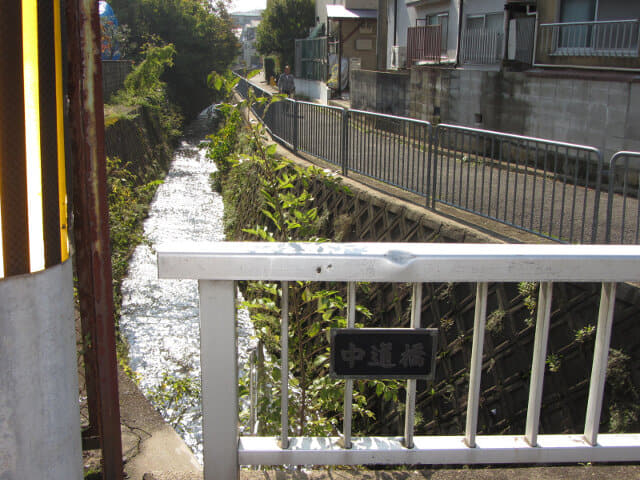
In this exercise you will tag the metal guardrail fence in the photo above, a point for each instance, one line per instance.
(390, 149)
(556, 190)
(551, 188)
(623, 212)
(321, 131)
(217, 266)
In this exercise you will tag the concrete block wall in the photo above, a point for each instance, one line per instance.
(598, 111)
(382, 92)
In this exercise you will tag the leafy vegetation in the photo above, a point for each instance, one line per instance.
(177, 397)
(286, 206)
(144, 87)
(201, 33)
(282, 23)
(129, 197)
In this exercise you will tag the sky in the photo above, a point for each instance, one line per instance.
(246, 5)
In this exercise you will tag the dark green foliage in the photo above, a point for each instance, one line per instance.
(282, 23)
(270, 67)
(129, 197)
(201, 33)
(222, 147)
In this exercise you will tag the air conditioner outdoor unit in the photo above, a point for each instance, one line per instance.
(398, 57)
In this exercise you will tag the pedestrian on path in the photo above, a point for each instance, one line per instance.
(286, 82)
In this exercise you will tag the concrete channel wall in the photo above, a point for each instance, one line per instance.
(369, 215)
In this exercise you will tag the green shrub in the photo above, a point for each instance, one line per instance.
(144, 87)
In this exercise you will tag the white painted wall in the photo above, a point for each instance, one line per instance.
(483, 6)
(39, 412)
(314, 89)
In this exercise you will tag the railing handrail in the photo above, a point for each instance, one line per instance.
(218, 265)
(400, 262)
(390, 117)
(520, 137)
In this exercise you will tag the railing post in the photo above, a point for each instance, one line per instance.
(295, 126)
(410, 404)
(538, 365)
(432, 135)
(611, 178)
(473, 402)
(596, 206)
(284, 367)
(600, 362)
(219, 379)
(348, 386)
(344, 154)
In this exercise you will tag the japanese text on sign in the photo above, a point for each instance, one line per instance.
(383, 353)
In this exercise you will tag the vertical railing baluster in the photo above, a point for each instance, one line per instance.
(284, 367)
(219, 373)
(600, 356)
(410, 407)
(348, 386)
(538, 364)
(475, 374)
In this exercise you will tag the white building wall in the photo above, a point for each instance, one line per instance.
(483, 6)
(405, 19)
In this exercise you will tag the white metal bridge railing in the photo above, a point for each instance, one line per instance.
(217, 266)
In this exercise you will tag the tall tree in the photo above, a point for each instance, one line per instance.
(282, 23)
(201, 33)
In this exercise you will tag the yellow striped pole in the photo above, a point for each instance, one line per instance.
(33, 192)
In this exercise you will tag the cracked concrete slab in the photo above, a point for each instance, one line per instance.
(151, 446)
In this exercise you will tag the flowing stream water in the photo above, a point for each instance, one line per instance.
(160, 317)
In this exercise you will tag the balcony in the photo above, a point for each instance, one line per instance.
(424, 44)
(481, 47)
(592, 44)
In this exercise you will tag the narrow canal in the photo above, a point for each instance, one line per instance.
(160, 317)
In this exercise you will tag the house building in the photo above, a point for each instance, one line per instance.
(559, 69)
(588, 34)
(350, 43)
(249, 56)
(422, 32)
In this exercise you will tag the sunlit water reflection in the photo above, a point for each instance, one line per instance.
(160, 317)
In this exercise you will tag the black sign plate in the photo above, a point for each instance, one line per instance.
(407, 353)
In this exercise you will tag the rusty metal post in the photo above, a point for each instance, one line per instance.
(91, 232)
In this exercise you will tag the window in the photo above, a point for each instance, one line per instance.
(577, 10)
(493, 22)
(441, 19)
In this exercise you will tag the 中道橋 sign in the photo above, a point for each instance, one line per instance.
(406, 353)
